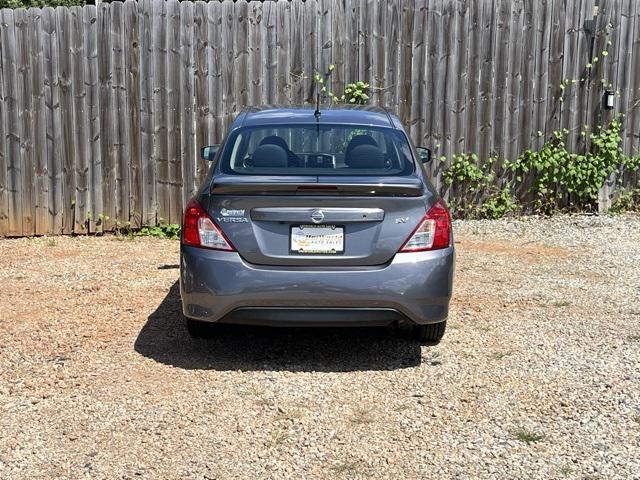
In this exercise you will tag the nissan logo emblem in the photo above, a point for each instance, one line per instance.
(317, 216)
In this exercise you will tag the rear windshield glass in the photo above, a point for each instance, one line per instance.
(317, 150)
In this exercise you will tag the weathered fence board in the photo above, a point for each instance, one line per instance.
(4, 201)
(103, 109)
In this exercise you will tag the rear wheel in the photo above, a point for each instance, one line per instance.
(431, 333)
(199, 329)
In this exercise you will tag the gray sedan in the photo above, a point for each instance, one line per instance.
(311, 218)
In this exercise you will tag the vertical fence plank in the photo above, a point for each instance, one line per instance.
(554, 69)
(241, 53)
(459, 81)
(174, 181)
(609, 82)
(338, 45)
(187, 132)
(13, 128)
(54, 120)
(365, 33)
(514, 82)
(121, 146)
(418, 75)
(447, 84)
(474, 60)
(352, 43)
(25, 102)
(578, 90)
(80, 126)
(92, 114)
(570, 70)
(108, 113)
(309, 50)
(228, 57)
(527, 69)
(391, 48)
(256, 55)
(39, 126)
(325, 39)
(633, 110)
(63, 28)
(203, 113)
(405, 73)
(541, 73)
(485, 92)
(431, 60)
(217, 81)
(147, 105)
(269, 65)
(283, 34)
(295, 52)
(131, 42)
(160, 114)
(4, 191)
(624, 56)
(503, 50)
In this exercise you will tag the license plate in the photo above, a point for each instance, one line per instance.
(317, 239)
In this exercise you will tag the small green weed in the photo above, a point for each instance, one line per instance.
(627, 201)
(347, 468)
(527, 436)
(170, 231)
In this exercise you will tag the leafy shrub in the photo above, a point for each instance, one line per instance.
(627, 201)
(553, 176)
(170, 231)
(498, 205)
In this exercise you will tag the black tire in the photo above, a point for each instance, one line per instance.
(431, 333)
(198, 329)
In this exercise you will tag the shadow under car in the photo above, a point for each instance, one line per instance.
(164, 338)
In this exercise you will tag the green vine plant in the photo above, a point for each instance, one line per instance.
(355, 93)
(473, 189)
(551, 176)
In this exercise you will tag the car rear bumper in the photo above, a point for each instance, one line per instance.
(221, 286)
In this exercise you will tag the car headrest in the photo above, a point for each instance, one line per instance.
(366, 156)
(270, 156)
(274, 140)
(357, 141)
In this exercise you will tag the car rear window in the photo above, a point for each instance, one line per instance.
(317, 150)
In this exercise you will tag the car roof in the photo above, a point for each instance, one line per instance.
(369, 115)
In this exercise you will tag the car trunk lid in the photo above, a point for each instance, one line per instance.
(373, 216)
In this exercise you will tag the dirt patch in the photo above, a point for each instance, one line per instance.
(528, 252)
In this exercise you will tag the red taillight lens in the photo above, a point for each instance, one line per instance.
(433, 232)
(199, 230)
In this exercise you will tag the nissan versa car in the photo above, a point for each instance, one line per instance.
(317, 218)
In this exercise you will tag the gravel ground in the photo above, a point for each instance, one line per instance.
(538, 375)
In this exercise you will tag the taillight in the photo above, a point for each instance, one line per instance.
(199, 230)
(433, 232)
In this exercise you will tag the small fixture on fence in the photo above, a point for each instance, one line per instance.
(609, 99)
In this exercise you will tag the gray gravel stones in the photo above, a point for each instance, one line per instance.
(538, 375)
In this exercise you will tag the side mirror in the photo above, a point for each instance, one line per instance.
(424, 153)
(209, 153)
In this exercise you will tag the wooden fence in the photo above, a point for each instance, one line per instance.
(103, 109)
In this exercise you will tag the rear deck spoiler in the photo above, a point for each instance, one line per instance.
(264, 185)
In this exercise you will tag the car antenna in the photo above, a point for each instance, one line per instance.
(317, 113)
